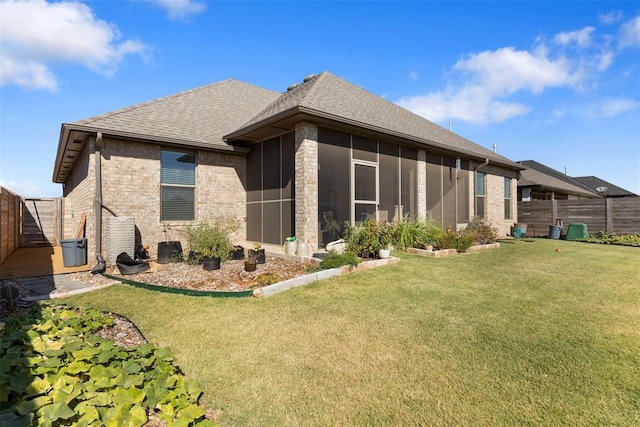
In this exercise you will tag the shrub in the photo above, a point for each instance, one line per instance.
(447, 240)
(211, 239)
(364, 239)
(333, 260)
(483, 232)
(458, 240)
(464, 240)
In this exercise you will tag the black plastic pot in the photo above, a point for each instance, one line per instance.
(170, 251)
(237, 253)
(258, 255)
(211, 263)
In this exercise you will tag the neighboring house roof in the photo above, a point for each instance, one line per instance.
(197, 117)
(604, 188)
(333, 99)
(539, 175)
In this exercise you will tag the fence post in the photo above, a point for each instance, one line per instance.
(608, 214)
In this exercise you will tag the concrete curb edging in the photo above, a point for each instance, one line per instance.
(69, 293)
(320, 275)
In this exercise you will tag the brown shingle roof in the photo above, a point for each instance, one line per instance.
(607, 189)
(201, 115)
(541, 175)
(331, 97)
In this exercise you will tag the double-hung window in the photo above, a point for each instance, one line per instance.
(177, 186)
(480, 194)
(507, 198)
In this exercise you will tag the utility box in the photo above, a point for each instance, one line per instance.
(577, 230)
(74, 252)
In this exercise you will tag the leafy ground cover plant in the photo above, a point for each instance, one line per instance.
(614, 239)
(56, 371)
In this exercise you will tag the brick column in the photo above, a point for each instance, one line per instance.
(422, 184)
(306, 184)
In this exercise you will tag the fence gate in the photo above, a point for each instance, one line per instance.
(41, 222)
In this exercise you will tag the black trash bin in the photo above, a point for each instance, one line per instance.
(74, 252)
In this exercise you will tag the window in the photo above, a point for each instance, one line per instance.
(480, 194)
(507, 198)
(177, 186)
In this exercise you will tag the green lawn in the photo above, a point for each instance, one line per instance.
(521, 335)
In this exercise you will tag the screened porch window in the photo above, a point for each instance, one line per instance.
(177, 186)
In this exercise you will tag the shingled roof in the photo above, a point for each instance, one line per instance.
(329, 97)
(604, 188)
(202, 115)
(197, 117)
(546, 177)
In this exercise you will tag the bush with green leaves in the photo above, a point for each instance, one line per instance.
(363, 239)
(459, 240)
(210, 238)
(333, 260)
(483, 232)
(55, 370)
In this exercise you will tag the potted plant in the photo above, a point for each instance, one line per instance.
(210, 242)
(385, 234)
(250, 264)
(257, 253)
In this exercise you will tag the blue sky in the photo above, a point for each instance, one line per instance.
(555, 82)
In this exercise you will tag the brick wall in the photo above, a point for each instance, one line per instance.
(131, 188)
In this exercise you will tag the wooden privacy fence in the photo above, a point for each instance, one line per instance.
(28, 222)
(613, 215)
(10, 208)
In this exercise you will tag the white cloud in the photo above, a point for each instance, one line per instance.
(611, 17)
(484, 83)
(181, 9)
(494, 75)
(630, 33)
(580, 37)
(613, 107)
(37, 34)
(413, 75)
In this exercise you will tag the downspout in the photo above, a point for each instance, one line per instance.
(485, 163)
(98, 202)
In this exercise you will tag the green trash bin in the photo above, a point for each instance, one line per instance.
(577, 230)
(74, 252)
